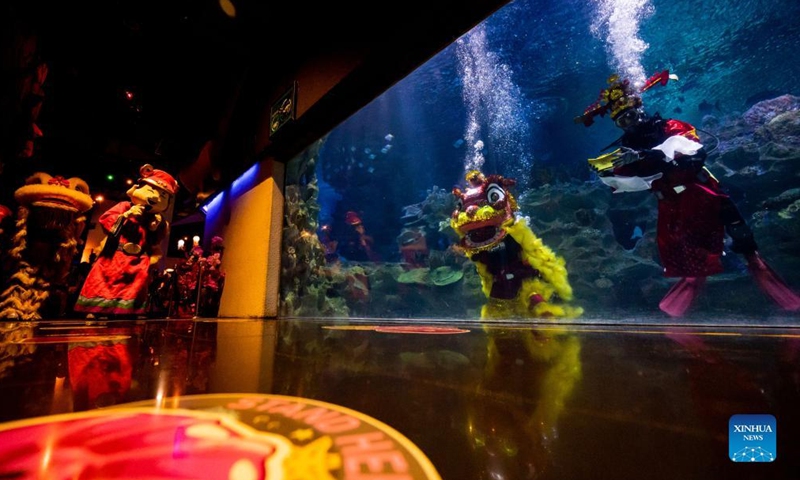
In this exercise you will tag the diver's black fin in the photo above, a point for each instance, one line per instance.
(680, 297)
(771, 283)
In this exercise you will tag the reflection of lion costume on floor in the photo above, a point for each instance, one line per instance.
(49, 223)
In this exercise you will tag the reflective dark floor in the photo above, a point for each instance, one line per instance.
(481, 401)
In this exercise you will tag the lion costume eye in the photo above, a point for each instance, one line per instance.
(495, 194)
(79, 185)
(38, 178)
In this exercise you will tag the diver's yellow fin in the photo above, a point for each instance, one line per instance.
(604, 162)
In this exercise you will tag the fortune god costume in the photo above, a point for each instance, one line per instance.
(118, 282)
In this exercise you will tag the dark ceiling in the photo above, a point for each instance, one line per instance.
(128, 82)
(151, 81)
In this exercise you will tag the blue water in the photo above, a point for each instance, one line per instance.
(502, 98)
(535, 65)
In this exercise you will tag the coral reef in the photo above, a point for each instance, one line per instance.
(576, 219)
(306, 280)
(607, 240)
(758, 157)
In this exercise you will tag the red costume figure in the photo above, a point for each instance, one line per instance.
(213, 279)
(694, 213)
(358, 245)
(100, 374)
(189, 272)
(118, 281)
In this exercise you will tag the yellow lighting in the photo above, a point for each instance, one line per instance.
(228, 7)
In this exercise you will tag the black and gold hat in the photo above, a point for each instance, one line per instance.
(620, 96)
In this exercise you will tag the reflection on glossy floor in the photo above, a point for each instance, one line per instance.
(481, 401)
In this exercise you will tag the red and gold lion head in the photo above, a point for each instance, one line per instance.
(482, 210)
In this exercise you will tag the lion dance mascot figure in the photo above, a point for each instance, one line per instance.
(520, 275)
(119, 280)
(50, 220)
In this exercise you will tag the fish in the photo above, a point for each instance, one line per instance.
(637, 233)
(352, 218)
(706, 107)
(412, 213)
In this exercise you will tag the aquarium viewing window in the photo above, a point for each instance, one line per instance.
(494, 182)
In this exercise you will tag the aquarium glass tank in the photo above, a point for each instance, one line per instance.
(493, 182)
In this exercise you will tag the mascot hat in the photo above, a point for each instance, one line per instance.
(158, 178)
(621, 96)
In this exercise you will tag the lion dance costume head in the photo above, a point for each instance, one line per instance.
(50, 220)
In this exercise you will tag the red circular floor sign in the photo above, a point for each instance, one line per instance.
(224, 436)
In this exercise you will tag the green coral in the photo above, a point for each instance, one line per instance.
(416, 275)
(445, 275)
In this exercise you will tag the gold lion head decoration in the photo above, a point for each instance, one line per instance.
(50, 220)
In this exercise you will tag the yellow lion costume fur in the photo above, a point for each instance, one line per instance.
(520, 275)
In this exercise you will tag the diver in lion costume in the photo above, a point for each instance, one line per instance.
(520, 275)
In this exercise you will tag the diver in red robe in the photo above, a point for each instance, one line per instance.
(665, 156)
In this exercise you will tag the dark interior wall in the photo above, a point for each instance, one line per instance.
(203, 80)
(357, 55)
